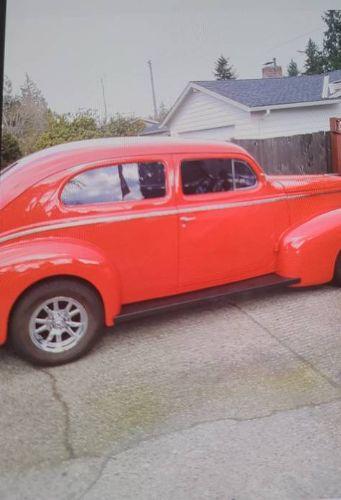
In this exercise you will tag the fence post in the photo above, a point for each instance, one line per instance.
(335, 140)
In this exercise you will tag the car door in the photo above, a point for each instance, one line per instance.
(133, 201)
(228, 221)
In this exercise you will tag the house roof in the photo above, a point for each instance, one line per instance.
(272, 91)
(263, 93)
(153, 128)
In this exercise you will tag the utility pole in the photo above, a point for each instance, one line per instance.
(104, 103)
(2, 62)
(153, 89)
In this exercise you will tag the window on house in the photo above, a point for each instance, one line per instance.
(215, 175)
(123, 182)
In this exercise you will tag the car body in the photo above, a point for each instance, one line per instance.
(138, 219)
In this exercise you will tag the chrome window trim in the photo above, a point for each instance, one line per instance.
(246, 188)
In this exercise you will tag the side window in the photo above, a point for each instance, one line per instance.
(215, 175)
(206, 176)
(243, 175)
(128, 181)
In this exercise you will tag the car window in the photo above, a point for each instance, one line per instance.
(215, 175)
(206, 176)
(123, 182)
(243, 175)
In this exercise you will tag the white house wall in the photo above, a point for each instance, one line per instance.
(200, 113)
(220, 133)
(286, 122)
(204, 116)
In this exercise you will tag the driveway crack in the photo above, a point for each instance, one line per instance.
(57, 395)
(137, 442)
(304, 360)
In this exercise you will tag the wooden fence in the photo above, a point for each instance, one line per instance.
(298, 154)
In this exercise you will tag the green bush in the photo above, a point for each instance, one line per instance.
(10, 149)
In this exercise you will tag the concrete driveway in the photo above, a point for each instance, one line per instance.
(234, 400)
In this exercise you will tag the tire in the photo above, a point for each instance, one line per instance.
(55, 322)
(337, 272)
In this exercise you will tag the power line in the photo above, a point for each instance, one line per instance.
(294, 38)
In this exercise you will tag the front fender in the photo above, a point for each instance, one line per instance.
(24, 264)
(310, 250)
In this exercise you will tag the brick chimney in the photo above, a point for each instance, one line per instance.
(272, 72)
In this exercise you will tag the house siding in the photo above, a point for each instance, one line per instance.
(201, 113)
(218, 133)
(205, 116)
(287, 122)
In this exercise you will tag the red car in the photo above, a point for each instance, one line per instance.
(98, 231)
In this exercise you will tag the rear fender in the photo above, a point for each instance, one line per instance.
(28, 262)
(310, 250)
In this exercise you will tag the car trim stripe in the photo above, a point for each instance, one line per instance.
(155, 213)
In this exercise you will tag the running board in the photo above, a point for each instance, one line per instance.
(154, 306)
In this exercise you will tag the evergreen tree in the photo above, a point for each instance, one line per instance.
(223, 70)
(292, 68)
(31, 92)
(314, 62)
(25, 115)
(332, 39)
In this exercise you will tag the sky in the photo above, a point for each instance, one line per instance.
(68, 46)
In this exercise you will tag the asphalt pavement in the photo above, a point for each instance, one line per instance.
(237, 399)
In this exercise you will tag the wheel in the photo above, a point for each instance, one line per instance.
(56, 322)
(337, 272)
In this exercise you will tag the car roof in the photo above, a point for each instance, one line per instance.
(37, 166)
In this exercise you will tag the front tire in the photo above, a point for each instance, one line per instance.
(56, 322)
(337, 272)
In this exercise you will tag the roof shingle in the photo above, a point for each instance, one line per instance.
(271, 91)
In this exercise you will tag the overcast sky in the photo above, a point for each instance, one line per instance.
(66, 46)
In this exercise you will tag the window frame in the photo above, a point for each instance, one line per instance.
(219, 194)
(120, 205)
(234, 180)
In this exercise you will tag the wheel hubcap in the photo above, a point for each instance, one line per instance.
(58, 324)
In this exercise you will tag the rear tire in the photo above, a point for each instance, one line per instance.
(56, 322)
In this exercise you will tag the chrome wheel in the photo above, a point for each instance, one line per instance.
(58, 324)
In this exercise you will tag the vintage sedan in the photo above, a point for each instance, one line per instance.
(99, 231)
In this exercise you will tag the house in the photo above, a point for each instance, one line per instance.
(152, 126)
(255, 108)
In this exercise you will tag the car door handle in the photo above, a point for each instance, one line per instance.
(185, 218)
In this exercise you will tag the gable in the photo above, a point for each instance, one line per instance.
(199, 111)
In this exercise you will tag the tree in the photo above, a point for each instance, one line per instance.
(292, 68)
(120, 126)
(10, 150)
(163, 112)
(224, 71)
(314, 62)
(332, 39)
(85, 125)
(25, 115)
(67, 128)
